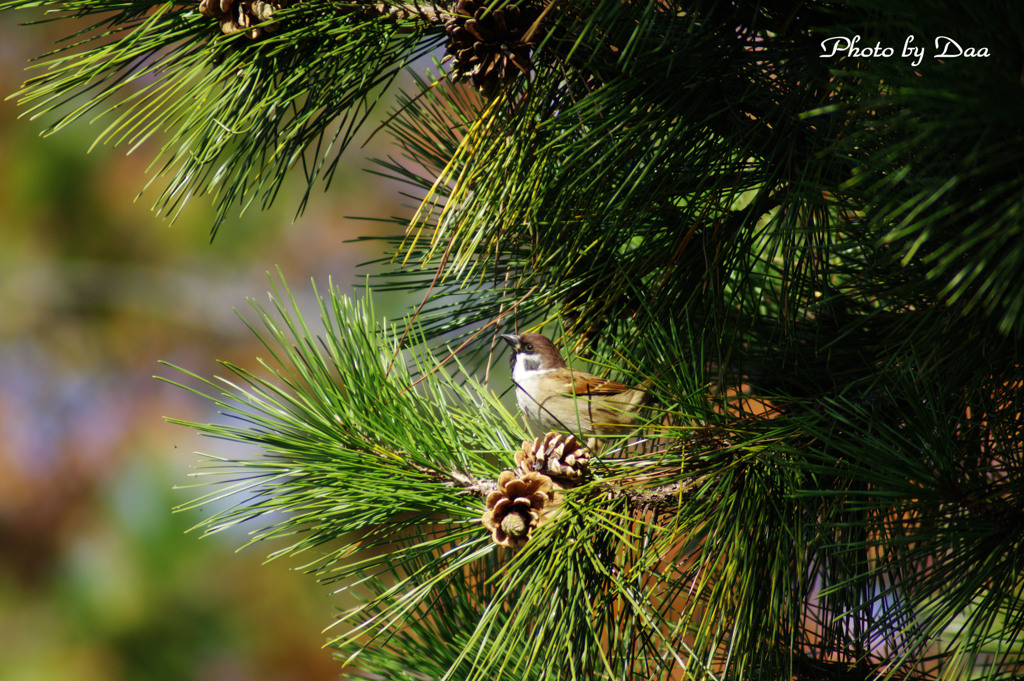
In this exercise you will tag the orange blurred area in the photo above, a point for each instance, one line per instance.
(99, 579)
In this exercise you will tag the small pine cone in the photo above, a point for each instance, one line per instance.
(516, 508)
(491, 46)
(391, 12)
(561, 457)
(243, 15)
(264, 13)
(215, 9)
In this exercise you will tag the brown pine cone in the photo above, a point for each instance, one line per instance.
(253, 16)
(561, 457)
(490, 46)
(517, 507)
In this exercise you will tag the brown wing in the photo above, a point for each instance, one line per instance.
(587, 384)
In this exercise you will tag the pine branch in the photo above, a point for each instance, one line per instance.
(818, 260)
(242, 92)
(370, 448)
(660, 498)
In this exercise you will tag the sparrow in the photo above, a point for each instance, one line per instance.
(554, 397)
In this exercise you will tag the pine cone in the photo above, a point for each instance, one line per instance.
(243, 15)
(516, 508)
(391, 12)
(560, 457)
(490, 46)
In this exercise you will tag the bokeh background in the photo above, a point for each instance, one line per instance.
(99, 579)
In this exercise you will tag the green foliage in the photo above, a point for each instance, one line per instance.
(816, 261)
(333, 418)
(234, 115)
(788, 535)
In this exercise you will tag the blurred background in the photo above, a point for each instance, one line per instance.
(99, 579)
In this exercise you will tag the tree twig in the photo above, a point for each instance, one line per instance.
(654, 498)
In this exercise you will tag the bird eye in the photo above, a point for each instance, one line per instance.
(528, 347)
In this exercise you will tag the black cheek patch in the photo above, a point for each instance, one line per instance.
(531, 363)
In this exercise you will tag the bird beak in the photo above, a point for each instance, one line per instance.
(511, 339)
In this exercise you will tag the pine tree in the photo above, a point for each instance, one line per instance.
(810, 247)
